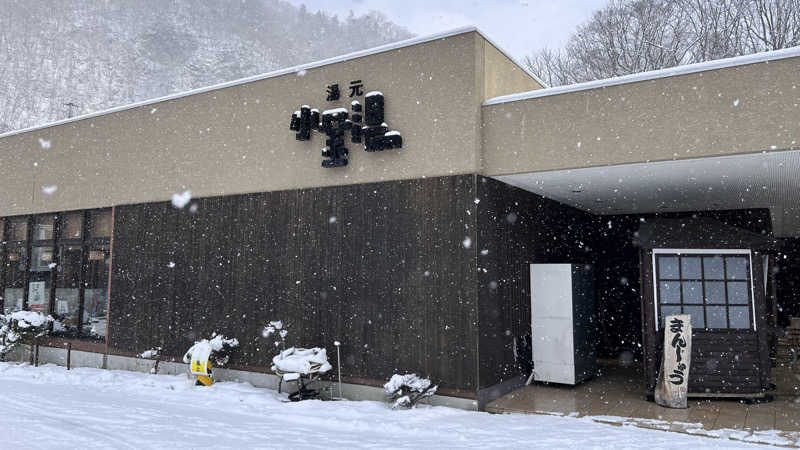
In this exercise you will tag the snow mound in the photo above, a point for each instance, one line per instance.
(302, 360)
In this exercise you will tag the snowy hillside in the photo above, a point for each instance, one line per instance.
(97, 55)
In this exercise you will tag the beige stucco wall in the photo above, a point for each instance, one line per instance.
(237, 139)
(503, 76)
(734, 110)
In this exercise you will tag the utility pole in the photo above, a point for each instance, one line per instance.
(70, 105)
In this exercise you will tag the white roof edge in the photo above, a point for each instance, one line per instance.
(276, 73)
(651, 75)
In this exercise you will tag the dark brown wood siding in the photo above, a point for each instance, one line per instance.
(380, 267)
(518, 228)
(724, 361)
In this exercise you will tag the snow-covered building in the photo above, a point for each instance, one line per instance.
(446, 170)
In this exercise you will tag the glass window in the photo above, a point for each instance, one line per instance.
(716, 317)
(72, 226)
(713, 268)
(68, 286)
(692, 291)
(714, 289)
(739, 316)
(100, 223)
(698, 319)
(736, 268)
(44, 227)
(715, 292)
(13, 291)
(42, 265)
(738, 294)
(96, 291)
(670, 291)
(18, 229)
(690, 267)
(668, 268)
(42, 259)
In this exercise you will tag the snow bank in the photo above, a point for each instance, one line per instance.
(302, 360)
(50, 407)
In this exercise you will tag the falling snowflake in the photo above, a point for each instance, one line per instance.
(45, 144)
(49, 190)
(181, 200)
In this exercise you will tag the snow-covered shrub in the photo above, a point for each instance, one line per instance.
(153, 353)
(404, 391)
(301, 360)
(218, 349)
(21, 327)
(276, 327)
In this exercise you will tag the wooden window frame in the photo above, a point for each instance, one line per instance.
(725, 253)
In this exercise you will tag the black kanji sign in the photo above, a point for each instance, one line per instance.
(356, 88)
(367, 125)
(333, 93)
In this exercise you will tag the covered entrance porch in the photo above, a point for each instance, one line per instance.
(751, 202)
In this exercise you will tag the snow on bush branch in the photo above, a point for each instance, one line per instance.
(21, 326)
(218, 349)
(404, 391)
(276, 327)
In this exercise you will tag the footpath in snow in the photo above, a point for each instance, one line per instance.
(50, 407)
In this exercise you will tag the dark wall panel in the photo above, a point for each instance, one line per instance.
(380, 267)
(518, 228)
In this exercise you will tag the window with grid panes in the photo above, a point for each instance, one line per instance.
(715, 289)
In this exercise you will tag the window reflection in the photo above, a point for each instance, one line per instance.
(96, 292)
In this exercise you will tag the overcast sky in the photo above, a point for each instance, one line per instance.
(519, 26)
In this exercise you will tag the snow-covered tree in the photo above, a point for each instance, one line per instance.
(21, 327)
(218, 348)
(277, 328)
(630, 36)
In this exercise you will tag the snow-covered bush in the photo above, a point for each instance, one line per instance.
(302, 360)
(153, 353)
(218, 349)
(276, 327)
(404, 391)
(21, 327)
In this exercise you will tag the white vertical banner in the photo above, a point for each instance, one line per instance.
(673, 378)
(36, 297)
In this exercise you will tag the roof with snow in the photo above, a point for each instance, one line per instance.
(652, 75)
(288, 70)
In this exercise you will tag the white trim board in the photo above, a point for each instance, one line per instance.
(792, 52)
(279, 72)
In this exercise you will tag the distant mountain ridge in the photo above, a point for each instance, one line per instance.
(101, 54)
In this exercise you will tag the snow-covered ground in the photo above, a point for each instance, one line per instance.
(50, 407)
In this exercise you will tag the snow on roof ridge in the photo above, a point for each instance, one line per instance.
(651, 75)
(275, 73)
